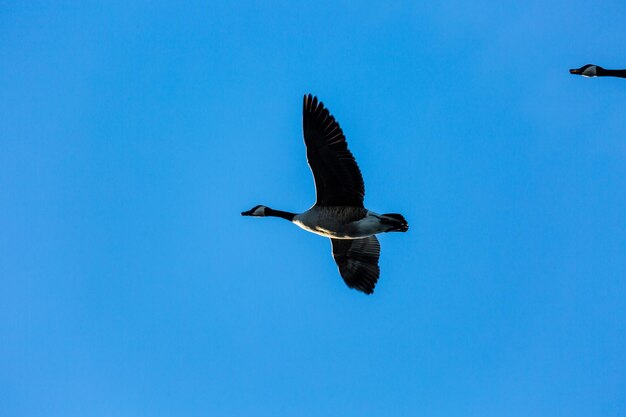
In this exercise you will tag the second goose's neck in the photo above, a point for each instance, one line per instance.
(278, 213)
(612, 73)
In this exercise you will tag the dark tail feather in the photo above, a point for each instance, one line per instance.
(398, 222)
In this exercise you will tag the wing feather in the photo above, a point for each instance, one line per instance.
(338, 179)
(357, 260)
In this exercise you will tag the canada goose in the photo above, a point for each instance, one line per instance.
(338, 212)
(591, 70)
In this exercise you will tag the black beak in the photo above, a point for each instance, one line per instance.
(575, 71)
(246, 213)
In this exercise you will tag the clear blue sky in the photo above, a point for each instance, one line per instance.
(133, 134)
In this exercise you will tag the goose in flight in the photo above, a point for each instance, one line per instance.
(591, 70)
(338, 213)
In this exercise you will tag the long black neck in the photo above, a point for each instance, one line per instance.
(277, 213)
(611, 73)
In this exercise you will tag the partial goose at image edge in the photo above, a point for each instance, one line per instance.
(592, 70)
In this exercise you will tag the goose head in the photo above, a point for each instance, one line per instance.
(589, 70)
(256, 211)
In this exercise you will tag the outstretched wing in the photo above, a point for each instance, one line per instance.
(338, 179)
(357, 260)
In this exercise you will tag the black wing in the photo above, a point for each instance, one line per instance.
(338, 179)
(357, 260)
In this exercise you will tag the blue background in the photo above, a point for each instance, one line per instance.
(133, 134)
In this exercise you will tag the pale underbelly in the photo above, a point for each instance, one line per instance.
(354, 230)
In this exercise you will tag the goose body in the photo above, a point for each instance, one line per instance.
(591, 70)
(338, 212)
(344, 222)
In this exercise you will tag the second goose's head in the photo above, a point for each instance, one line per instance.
(256, 211)
(589, 70)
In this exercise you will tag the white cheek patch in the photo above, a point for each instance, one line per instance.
(260, 211)
(590, 71)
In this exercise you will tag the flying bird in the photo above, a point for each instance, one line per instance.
(338, 212)
(591, 70)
